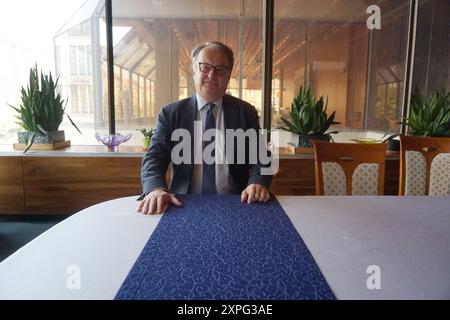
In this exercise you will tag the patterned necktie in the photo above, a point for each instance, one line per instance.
(209, 170)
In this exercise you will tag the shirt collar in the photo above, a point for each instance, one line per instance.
(201, 102)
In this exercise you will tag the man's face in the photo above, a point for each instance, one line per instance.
(210, 85)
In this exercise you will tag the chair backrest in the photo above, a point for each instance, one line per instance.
(424, 166)
(349, 168)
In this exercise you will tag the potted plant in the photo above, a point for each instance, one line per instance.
(309, 119)
(148, 134)
(41, 111)
(429, 116)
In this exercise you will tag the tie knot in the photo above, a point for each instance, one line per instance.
(210, 107)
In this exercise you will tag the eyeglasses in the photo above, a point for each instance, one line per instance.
(206, 68)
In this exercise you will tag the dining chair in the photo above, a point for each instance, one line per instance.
(349, 168)
(424, 166)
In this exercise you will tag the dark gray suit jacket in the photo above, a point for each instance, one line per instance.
(238, 114)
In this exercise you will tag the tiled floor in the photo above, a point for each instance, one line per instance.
(16, 231)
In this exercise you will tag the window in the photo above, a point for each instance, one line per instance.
(82, 70)
(73, 60)
(328, 47)
(154, 41)
(324, 44)
(432, 56)
(74, 101)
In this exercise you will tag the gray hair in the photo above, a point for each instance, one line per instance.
(217, 45)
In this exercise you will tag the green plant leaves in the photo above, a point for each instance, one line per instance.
(146, 133)
(41, 109)
(430, 115)
(308, 116)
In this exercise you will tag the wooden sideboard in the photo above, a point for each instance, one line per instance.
(12, 195)
(66, 181)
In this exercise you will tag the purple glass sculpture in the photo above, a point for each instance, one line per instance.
(112, 141)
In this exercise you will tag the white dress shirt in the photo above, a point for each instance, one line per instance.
(224, 181)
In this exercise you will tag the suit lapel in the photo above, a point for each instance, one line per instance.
(230, 113)
(189, 117)
(230, 118)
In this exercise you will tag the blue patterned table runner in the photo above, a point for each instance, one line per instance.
(216, 247)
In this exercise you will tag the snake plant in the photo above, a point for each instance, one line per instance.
(308, 116)
(41, 109)
(429, 115)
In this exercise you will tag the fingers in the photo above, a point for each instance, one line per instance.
(265, 196)
(161, 204)
(251, 195)
(175, 201)
(244, 196)
(157, 202)
(140, 206)
(152, 205)
(255, 193)
(143, 206)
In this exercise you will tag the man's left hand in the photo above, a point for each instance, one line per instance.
(255, 193)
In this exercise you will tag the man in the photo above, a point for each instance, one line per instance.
(212, 65)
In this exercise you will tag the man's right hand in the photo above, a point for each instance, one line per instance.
(157, 202)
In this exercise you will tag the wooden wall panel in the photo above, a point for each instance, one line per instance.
(62, 185)
(11, 185)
